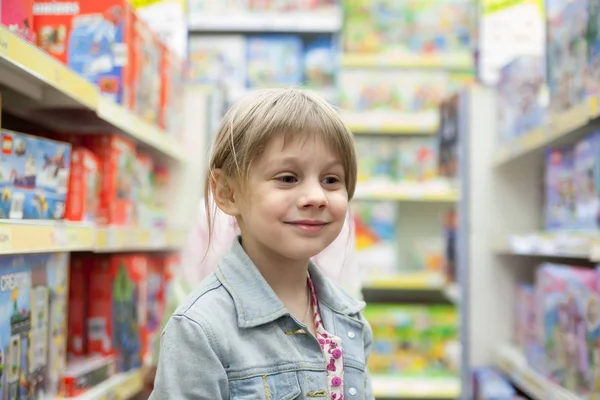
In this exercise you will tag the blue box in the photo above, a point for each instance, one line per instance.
(274, 61)
(34, 177)
(587, 182)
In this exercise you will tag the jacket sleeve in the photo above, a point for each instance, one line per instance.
(368, 342)
(188, 367)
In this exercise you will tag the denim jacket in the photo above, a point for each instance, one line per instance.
(234, 339)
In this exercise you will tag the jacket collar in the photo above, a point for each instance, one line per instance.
(257, 304)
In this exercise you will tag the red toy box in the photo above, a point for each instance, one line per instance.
(117, 314)
(91, 36)
(117, 160)
(171, 107)
(84, 186)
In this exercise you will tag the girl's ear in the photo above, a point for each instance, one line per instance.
(223, 193)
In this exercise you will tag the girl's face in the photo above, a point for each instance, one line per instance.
(295, 200)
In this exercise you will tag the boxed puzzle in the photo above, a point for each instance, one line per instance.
(34, 176)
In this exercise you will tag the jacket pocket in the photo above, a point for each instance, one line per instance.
(276, 386)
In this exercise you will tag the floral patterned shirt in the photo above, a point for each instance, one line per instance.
(331, 346)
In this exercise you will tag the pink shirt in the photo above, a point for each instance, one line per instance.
(331, 346)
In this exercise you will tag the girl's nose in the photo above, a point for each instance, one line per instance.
(313, 195)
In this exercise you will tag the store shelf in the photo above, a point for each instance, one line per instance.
(408, 281)
(558, 126)
(419, 192)
(140, 130)
(267, 22)
(550, 244)
(119, 387)
(512, 361)
(391, 123)
(364, 60)
(52, 89)
(397, 387)
(24, 237)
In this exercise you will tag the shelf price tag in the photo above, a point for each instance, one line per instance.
(6, 243)
(60, 236)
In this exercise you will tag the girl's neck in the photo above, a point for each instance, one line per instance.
(287, 278)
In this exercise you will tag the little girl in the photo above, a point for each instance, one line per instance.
(267, 324)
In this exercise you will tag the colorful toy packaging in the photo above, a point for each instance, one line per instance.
(145, 54)
(560, 189)
(568, 298)
(377, 161)
(34, 175)
(413, 340)
(410, 30)
(274, 61)
(117, 159)
(520, 107)
(320, 67)
(417, 159)
(587, 182)
(33, 324)
(567, 52)
(219, 60)
(160, 272)
(91, 37)
(376, 237)
(17, 16)
(173, 85)
(593, 48)
(143, 196)
(117, 314)
(84, 186)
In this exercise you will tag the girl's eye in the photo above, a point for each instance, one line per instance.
(287, 179)
(330, 180)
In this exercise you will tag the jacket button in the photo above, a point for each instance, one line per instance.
(351, 335)
(337, 353)
(352, 391)
(336, 381)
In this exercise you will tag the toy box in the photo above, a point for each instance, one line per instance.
(274, 61)
(560, 189)
(566, 52)
(78, 305)
(91, 37)
(84, 186)
(521, 105)
(17, 16)
(58, 286)
(417, 159)
(117, 163)
(411, 31)
(587, 182)
(593, 48)
(117, 314)
(524, 315)
(160, 272)
(221, 61)
(143, 195)
(376, 236)
(32, 304)
(320, 63)
(34, 174)
(568, 298)
(145, 54)
(172, 89)
(404, 98)
(377, 161)
(413, 340)
(584, 307)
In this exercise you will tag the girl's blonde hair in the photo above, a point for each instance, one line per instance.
(249, 125)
